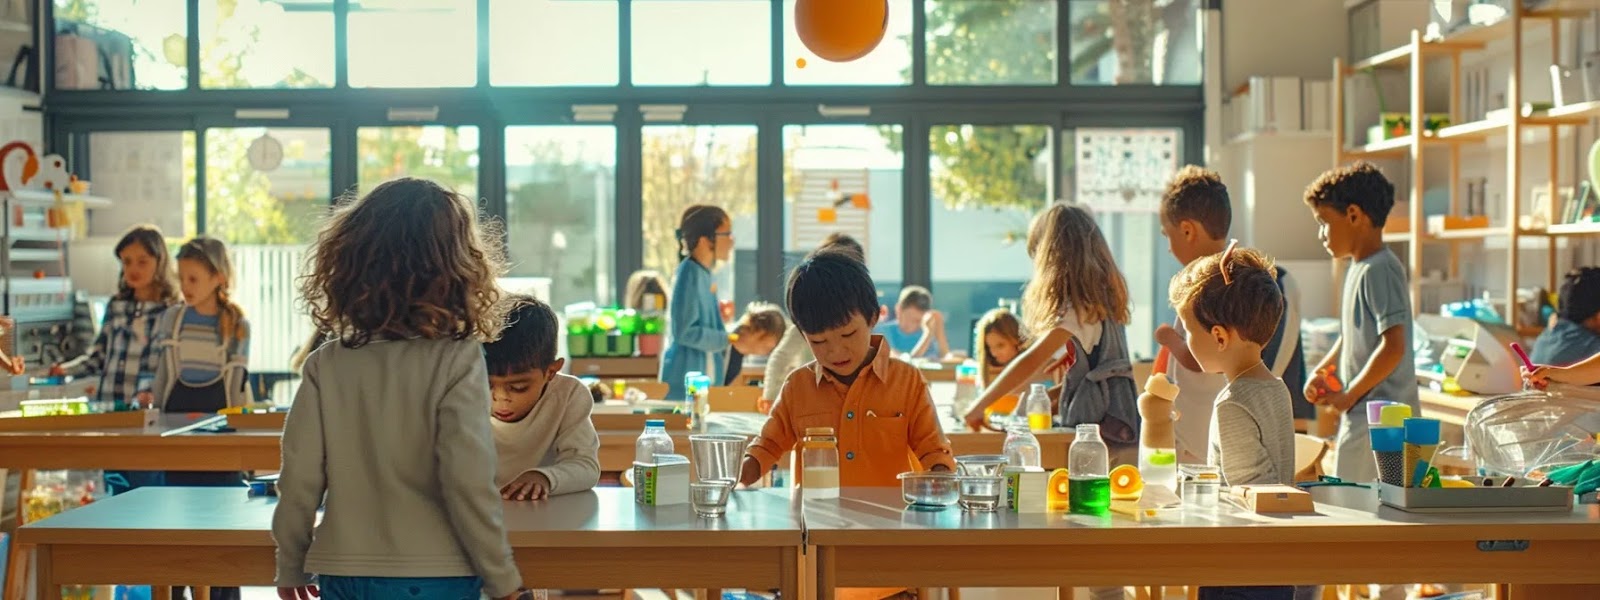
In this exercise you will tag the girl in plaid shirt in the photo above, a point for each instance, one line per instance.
(123, 355)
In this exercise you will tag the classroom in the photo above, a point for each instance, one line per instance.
(800, 299)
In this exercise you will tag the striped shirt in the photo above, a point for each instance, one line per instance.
(1252, 432)
(123, 351)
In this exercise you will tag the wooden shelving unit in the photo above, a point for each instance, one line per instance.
(1517, 130)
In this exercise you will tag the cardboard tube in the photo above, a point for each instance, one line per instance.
(1422, 440)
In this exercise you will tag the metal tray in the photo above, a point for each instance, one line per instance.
(1477, 499)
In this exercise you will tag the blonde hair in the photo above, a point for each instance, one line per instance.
(1072, 268)
(211, 253)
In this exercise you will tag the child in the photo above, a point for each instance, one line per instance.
(792, 351)
(1575, 334)
(696, 339)
(123, 355)
(205, 341)
(1000, 338)
(1077, 309)
(1373, 354)
(1229, 306)
(387, 429)
(1195, 218)
(917, 330)
(1584, 372)
(643, 284)
(757, 334)
(879, 405)
(546, 444)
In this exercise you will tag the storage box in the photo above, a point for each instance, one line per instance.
(663, 483)
(1438, 224)
(1027, 491)
(1272, 499)
(1486, 499)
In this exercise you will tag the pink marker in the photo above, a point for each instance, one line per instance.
(1515, 347)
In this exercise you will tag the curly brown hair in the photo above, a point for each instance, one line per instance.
(1072, 268)
(1247, 300)
(1197, 194)
(409, 259)
(1361, 185)
(149, 238)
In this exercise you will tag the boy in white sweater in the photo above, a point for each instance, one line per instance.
(542, 433)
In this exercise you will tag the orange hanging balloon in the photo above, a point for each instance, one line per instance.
(841, 30)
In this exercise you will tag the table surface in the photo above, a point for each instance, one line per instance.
(878, 517)
(603, 517)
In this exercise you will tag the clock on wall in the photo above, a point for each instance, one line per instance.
(265, 153)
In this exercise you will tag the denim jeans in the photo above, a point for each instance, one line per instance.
(400, 588)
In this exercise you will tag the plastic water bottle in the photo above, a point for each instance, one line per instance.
(1089, 472)
(1021, 448)
(1038, 408)
(653, 441)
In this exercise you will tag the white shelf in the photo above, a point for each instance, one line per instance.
(9, 26)
(45, 198)
(34, 255)
(1263, 136)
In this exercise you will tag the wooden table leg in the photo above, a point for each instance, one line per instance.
(45, 577)
(826, 581)
(789, 574)
(161, 592)
(17, 570)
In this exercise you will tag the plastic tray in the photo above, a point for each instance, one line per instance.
(1477, 499)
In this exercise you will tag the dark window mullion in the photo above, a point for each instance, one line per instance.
(191, 28)
(341, 44)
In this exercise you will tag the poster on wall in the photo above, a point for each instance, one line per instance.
(1124, 170)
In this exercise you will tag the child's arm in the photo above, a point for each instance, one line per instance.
(1177, 348)
(301, 482)
(577, 447)
(93, 361)
(156, 396)
(1585, 372)
(932, 333)
(777, 437)
(688, 293)
(926, 437)
(239, 363)
(1022, 370)
(1391, 348)
(466, 464)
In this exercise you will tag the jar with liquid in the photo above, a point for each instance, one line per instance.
(1202, 485)
(1089, 472)
(819, 464)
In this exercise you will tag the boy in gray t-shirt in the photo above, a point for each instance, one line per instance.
(1229, 305)
(1373, 355)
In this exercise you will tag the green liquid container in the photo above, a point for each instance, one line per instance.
(1090, 496)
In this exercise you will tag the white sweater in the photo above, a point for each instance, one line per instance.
(393, 438)
(556, 439)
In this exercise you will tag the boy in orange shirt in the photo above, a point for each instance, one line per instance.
(878, 406)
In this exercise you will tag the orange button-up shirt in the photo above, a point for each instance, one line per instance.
(885, 421)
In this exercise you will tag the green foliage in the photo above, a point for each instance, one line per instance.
(691, 165)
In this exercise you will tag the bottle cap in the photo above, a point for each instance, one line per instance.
(1388, 439)
(1421, 431)
(1037, 388)
(655, 422)
(819, 431)
(1089, 429)
(1395, 415)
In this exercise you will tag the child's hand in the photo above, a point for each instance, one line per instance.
(17, 366)
(1539, 377)
(532, 485)
(1340, 400)
(57, 371)
(749, 471)
(1168, 336)
(1314, 390)
(933, 320)
(304, 592)
(976, 420)
(145, 399)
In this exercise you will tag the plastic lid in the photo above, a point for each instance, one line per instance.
(1163, 458)
(1388, 439)
(1157, 385)
(1395, 415)
(1375, 411)
(1037, 388)
(655, 422)
(819, 431)
(1421, 431)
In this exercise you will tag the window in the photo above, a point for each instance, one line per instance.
(413, 43)
(861, 159)
(991, 42)
(684, 165)
(121, 44)
(888, 64)
(560, 196)
(264, 44)
(553, 42)
(672, 46)
(1159, 42)
(1121, 173)
(987, 183)
(448, 155)
(266, 186)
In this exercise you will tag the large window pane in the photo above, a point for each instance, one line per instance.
(266, 192)
(1120, 174)
(448, 155)
(702, 42)
(121, 44)
(414, 43)
(575, 42)
(862, 159)
(1137, 42)
(987, 183)
(991, 42)
(888, 64)
(263, 44)
(684, 165)
(560, 192)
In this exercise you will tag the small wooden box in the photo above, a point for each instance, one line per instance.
(1274, 499)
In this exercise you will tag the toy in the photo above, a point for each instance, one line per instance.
(841, 30)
